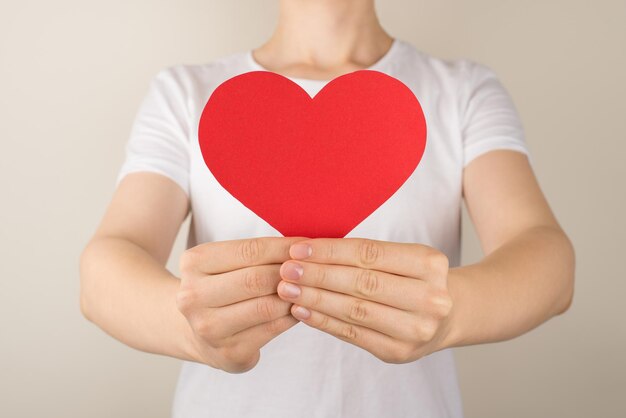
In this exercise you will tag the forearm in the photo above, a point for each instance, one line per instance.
(128, 294)
(512, 290)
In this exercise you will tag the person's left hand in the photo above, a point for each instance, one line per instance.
(388, 298)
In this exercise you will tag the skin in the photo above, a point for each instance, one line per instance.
(398, 301)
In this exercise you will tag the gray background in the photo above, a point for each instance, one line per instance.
(72, 74)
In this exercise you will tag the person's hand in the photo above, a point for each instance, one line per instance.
(228, 295)
(388, 298)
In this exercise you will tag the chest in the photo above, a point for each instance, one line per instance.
(425, 208)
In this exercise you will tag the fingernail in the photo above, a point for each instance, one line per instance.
(301, 313)
(290, 290)
(292, 271)
(300, 251)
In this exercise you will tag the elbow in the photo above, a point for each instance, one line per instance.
(85, 300)
(569, 272)
(84, 308)
(567, 303)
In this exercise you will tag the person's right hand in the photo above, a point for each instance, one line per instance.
(228, 293)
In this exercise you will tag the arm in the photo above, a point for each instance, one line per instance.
(401, 301)
(125, 288)
(221, 311)
(527, 274)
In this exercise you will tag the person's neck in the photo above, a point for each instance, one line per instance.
(324, 38)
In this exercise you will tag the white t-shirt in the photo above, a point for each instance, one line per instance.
(305, 372)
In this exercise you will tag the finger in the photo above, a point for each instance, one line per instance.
(378, 286)
(405, 259)
(213, 291)
(395, 323)
(257, 336)
(222, 256)
(228, 320)
(378, 344)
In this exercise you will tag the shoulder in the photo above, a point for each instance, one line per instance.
(442, 67)
(453, 75)
(187, 78)
(454, 88)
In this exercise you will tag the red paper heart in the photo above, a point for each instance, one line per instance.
(313, 167)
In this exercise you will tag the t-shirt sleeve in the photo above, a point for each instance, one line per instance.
(159, 137)
(489, 119)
